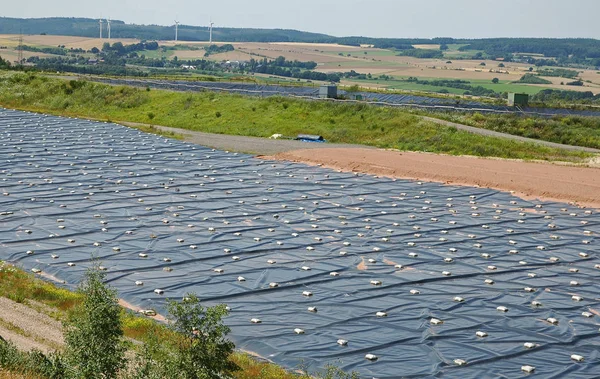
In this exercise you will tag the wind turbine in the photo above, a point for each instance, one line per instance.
(100, 22)
(210, 31)
(108, 27)
(176, 29)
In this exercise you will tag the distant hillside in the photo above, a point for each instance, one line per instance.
(569, 50)
(86, 27)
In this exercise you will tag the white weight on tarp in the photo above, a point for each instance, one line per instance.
(528, 369)
(159, 291)
(307, 293)
(371, 357)
(577, 358)
(381, 314)
(435, 321)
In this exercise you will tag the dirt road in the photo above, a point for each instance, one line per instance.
(527, 179)
(28, 327)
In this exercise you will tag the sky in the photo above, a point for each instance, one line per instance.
(370, 18)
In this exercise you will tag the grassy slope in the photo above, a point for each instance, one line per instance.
(238, 115)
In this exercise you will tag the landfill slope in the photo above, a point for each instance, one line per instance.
(405, 271)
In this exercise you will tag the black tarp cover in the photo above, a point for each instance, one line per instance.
(75, 188)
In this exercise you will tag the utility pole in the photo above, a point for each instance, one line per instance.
(20, 48)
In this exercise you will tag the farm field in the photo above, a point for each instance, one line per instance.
(337, 58)
(12, 40)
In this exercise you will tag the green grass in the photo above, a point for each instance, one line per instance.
(383, 127)
(570, 130)
(503, 86)
(507, 86)
(20, 286)
(157, 54)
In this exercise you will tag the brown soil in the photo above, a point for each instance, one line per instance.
(529, 180)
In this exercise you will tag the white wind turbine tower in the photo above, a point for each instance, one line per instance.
(108, 27)
(176, 29)
(210, 29)
(100, 22)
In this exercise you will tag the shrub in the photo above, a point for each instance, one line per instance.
(94, 333)
(202, 349)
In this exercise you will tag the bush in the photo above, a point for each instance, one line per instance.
(202, 349)
(31, 363)
(94, 333)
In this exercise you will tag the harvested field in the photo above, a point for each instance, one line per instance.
(68, 41)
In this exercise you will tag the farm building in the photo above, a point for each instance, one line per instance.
(328, 92)
(518, 99)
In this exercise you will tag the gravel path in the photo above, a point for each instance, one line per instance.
(243, 144)
(28, 328)
(265, 146)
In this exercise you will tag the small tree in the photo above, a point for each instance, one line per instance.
(202, 350)
(94, 333)
(495, 80)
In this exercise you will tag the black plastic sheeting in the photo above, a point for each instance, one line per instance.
(381, 99)
(72, 188)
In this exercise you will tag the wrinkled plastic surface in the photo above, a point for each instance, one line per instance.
(133, 193)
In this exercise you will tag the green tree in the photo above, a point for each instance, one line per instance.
(202, 350)
(94, 333)
(495, 80)
(444, 47)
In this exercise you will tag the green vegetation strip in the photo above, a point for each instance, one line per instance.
(211, 112)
